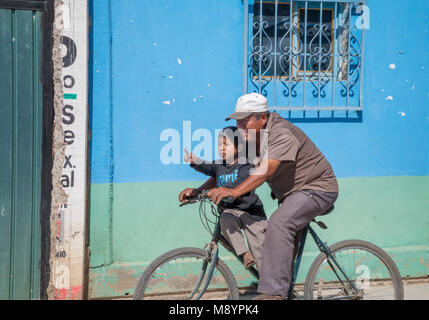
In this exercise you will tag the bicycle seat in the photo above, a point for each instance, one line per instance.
(329, 210)
(320, 223)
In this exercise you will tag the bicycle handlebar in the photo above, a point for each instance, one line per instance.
(203, 196)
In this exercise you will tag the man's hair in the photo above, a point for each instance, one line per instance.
(257, 115)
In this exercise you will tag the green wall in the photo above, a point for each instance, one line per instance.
(133, 223)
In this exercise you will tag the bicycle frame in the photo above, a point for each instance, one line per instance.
(213, 255)
(220, 238)
(325, 249)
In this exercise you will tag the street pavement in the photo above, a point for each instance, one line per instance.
(414, 289)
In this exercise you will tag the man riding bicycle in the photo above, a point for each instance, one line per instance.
(300, 177)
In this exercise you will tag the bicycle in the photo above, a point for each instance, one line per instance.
(349, 269)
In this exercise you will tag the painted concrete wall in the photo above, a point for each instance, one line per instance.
(68, 238)
(156, 64)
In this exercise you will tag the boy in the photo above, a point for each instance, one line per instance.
(247, 211)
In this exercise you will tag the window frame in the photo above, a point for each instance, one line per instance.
(351, 81)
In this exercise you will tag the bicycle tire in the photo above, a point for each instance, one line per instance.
(139, 293)
(355, 244)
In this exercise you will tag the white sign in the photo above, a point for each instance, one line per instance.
(69, 263)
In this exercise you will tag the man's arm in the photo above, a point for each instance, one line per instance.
(257, 178)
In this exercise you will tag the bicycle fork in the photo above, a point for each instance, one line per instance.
(212, 254)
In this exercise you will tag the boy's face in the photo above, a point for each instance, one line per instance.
(226, 149)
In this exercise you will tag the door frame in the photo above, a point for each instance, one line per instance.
(47, 9)
(47, 156)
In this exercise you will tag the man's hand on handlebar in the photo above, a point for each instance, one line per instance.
(217, 194)
(191, 195)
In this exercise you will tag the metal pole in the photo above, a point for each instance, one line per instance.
(305, 49)
(260, 46)
(320, 51)
(245, 44)
(334, 47)
(290, 50)
(275, 53)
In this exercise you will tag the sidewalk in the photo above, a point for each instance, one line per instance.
(414, 289)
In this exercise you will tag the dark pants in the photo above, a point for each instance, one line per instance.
(295, 212)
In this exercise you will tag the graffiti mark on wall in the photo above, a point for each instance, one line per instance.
(63, 290)
(60, 224)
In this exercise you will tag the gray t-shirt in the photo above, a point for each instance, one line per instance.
(302, 165)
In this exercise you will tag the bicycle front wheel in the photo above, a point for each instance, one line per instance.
(180, 274)
(360, 270)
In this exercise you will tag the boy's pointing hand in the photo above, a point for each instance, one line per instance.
(190, 157)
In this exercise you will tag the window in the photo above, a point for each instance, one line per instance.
(304, 55)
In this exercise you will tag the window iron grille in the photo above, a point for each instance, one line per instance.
(304, 54)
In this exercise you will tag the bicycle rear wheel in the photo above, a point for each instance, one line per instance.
(175, 275)
(370, 270)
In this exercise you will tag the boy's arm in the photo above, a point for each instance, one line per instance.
(199, 165)
(190, 157)
(191, 192)
(208, 185)
(208, 169)
(258, 177)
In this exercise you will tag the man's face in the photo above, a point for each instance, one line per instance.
(250, 126)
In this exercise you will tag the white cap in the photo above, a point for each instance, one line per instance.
(248, 104)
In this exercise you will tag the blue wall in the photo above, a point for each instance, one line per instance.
(134, 69)
(134, 50)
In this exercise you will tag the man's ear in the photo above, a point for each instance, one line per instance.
(264, 119)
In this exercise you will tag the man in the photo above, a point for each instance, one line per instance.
(300, 177)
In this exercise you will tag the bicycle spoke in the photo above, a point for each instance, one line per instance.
(181, 278)
(368, 274)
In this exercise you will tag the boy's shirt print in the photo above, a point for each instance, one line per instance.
(224, 179)
(230, 176)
